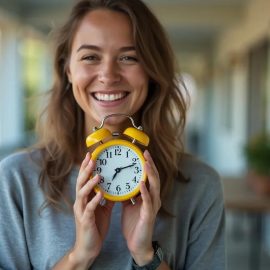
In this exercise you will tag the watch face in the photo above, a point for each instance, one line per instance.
(121, 170)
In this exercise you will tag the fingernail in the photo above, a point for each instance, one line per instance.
(96, 177)
(103, 201)
(87, 155)
(147, 154)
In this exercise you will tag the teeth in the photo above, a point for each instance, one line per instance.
(109, 97)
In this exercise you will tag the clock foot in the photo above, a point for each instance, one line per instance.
(133, 201)
(102, 202)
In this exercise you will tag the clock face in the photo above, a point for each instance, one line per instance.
(121, 170)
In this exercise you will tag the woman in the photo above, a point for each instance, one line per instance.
(112, 56)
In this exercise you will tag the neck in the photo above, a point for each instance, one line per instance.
(113, 124)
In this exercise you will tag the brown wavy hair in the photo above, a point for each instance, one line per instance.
(61, 126)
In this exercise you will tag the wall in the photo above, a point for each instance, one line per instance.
(254, 27)
(231, 53)
(12, 73)
(11, 116)
(228, 135)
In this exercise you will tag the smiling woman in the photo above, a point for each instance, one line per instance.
(104, 69)
(112, 57)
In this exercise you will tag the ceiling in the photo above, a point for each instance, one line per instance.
(188, 22)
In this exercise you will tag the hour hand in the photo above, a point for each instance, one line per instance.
(117, 170)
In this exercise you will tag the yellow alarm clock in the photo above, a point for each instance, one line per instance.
(119, 162)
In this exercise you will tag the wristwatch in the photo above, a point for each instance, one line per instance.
(154, 264)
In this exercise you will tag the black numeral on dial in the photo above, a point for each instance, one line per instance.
(102, 162)
(117, 151)
(137, 170)
(134, 180)
(118, 188)
(108, 154)
(99, 170)
(101, 180)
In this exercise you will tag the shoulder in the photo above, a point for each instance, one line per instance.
(198, 172)
(202, 188)
(21, 165)
(21, 159)
(204, 183)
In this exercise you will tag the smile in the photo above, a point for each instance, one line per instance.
(109, 97)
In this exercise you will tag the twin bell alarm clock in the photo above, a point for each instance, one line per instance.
(119, 161)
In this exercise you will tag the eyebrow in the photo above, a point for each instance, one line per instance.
(96, 48)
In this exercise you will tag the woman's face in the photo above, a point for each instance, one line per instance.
(104, 70)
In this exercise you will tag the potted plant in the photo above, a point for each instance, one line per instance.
(257, 152)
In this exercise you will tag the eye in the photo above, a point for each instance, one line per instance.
(92, 58)
(128, 59)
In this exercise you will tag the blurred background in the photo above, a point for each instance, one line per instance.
(222, 47)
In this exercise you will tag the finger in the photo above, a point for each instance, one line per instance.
(88, 187)
(153, 178)
(83, 194)
(92, 205)
(84, 175)
(154, 186)
(149, 205)
(85, 161)
(146, 198)
(151, 161)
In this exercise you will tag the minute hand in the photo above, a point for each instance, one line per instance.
(121, 168)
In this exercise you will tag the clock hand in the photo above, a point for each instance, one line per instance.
(127, 166)
(117, 170)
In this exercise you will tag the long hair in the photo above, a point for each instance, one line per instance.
(163, 114)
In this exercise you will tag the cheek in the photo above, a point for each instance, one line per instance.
(80, 82)
(81, 77)
(142, 86)
(141, 94)
(139, 80)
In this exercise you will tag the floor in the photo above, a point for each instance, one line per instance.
(244, 250)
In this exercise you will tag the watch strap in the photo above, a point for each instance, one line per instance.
(155, 263)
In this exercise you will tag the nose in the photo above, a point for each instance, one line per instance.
(109, 72)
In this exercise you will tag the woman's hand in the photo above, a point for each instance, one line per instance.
(92, 220)
(138, 220)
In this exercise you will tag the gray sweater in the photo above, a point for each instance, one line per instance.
(193, 239)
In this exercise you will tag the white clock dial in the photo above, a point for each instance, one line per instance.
(120, 168)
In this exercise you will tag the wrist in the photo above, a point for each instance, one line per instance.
(143, 258)
(80, 261)
(156, 261)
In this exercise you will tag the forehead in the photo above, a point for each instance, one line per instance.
(104, 26)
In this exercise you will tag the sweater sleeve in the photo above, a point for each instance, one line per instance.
(206, 239)
(13, 246)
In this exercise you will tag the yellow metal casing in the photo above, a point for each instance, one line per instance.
(138, 135)
(97, 136)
